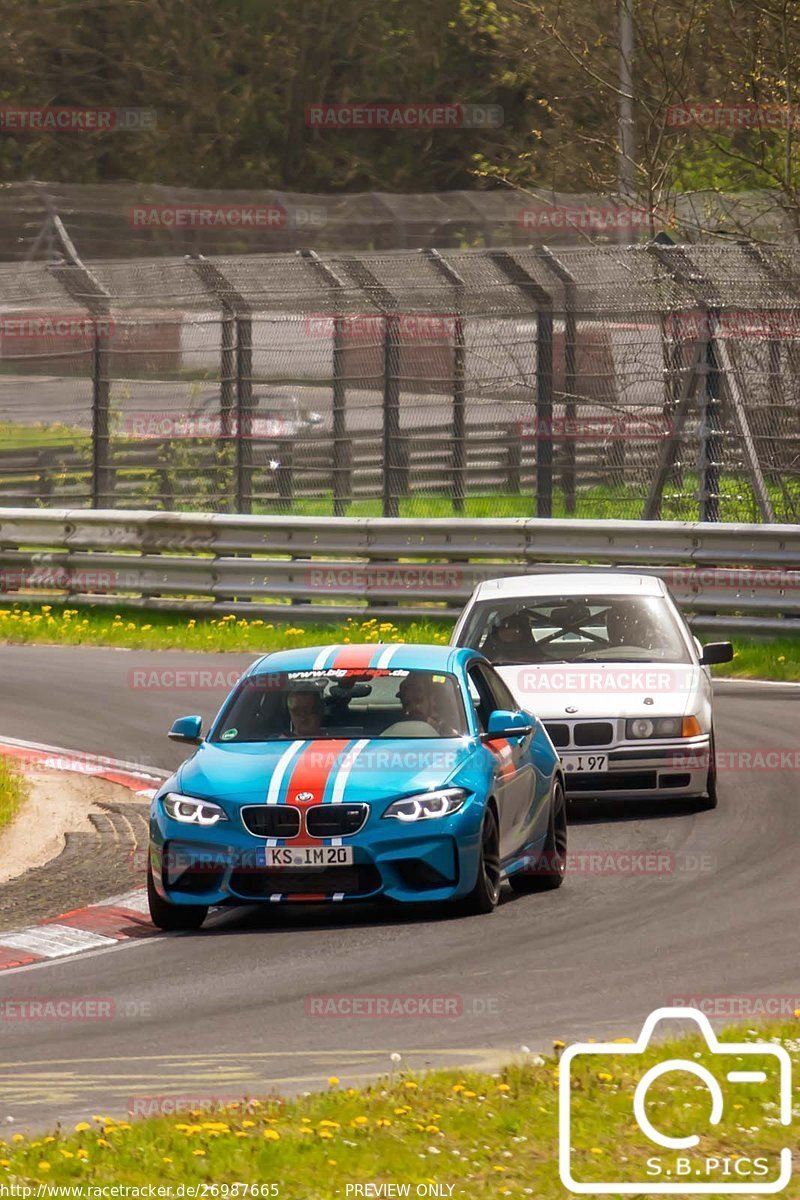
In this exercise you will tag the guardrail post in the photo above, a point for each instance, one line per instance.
(341, 445)
(568, 478)
(459, 423)
(84, 288)
(395, 466)
(543, 304)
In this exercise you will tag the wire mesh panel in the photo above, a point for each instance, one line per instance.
(606, 381)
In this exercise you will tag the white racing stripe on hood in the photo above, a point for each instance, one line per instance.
(280, 770)
(386, 657)
(343, 775)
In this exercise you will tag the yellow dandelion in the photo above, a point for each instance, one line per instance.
(604, 1077)
(383, 1122)
(82, 1126)
(248, 1124)
(503, 1087)
(325, 1134)
(44, 1166)
(333, 1080)
(469, 1095)
(360, 1121)
(83, 1153)
(411, 1085)
(166, 1160)
(272, 1135)
(199, 1153)
(431, 1128)
(595, 1150)
(103, 1142)
(66, 1154)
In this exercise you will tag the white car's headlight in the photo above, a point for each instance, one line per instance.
(427, 805)
(662, 727)
(190, 811)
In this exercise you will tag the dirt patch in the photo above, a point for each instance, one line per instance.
(58, 803)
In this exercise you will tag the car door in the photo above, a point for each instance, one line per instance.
(536, 767)
(515, 770)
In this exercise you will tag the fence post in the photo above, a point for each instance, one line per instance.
(710, 429)
(87, 291)
(394, 457)
(341, 446)
(459, 422)
(543, 304)
(568, 479)
(236, 376)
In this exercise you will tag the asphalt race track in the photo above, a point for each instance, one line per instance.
(222, 1012)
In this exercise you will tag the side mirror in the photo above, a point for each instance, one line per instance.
(186, 729)
(716, 652)
(506, 724)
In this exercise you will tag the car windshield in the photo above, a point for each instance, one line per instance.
(343, 704)
(581, 629)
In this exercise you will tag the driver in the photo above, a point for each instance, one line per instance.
(305, 713)
(419, 704)
(511, 637)
(627, 625)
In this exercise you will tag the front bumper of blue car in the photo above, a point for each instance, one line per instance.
(429, 860)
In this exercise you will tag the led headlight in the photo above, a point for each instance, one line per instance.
(189, 811)
(427, 805)
(655, 727)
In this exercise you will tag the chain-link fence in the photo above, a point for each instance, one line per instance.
(125, 220)
(650, 380)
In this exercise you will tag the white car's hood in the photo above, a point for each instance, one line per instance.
(605, 689)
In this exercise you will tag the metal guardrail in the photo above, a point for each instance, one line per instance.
(727, 577)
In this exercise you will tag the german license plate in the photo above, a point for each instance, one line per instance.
(304, 856)
(580, 764)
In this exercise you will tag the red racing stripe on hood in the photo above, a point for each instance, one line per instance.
(312, 769)
(355, 656)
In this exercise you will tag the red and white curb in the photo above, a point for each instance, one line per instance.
(99, 925)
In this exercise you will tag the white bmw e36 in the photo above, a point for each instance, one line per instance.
(606, 660)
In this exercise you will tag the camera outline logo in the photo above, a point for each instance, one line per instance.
(715, 1047)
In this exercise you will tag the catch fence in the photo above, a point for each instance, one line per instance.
(643, 381)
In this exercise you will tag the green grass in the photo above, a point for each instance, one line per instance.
(136, 630)
(776, 658)
(487, 1135)
(12, 792)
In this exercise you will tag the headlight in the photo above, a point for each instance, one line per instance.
(427, 805)
(192, 812)
(662, 727)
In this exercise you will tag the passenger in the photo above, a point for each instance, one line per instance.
(511, 640)
(306, 710)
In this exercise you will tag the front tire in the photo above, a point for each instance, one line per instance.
(552, 864)
(709, 801)
(484, 896)
(172, 917)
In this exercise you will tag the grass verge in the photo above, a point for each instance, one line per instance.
(481, 1135)
(130, 628)
(12, 793)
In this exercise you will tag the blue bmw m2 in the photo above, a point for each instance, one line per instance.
(359, 772)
